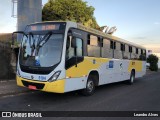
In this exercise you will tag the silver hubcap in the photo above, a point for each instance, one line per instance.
(90, 86)
(132, 78)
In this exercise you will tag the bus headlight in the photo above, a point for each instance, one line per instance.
(54, 76)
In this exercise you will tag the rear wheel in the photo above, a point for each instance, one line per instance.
(90, 86)
(132, 78)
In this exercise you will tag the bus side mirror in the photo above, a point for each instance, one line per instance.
(73, 42)
(13, 42)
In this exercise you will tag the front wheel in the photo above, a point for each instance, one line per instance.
(90, 87)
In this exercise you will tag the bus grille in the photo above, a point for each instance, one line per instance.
(38, 85)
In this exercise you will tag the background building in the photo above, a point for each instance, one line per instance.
(28, 11)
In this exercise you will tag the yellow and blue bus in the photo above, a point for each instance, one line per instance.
(61, 57)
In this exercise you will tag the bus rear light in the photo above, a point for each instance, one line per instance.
(54, 76)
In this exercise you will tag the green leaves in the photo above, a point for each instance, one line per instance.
(69, 10)
(153, 60)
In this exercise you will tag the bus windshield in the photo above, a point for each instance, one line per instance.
(41, 50)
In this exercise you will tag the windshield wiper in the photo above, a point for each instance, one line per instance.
(43, 41)
(32, 46)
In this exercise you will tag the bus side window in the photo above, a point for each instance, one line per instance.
(93, 46)
(119, 50)
(107, 52)
(79, 47)
(141, 51)
(111, 44)
(136, 50)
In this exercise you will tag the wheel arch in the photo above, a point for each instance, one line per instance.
(95, 73)
(134, 71)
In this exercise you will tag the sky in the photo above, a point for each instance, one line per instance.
(137, 21)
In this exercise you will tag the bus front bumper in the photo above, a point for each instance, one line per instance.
(57, 86)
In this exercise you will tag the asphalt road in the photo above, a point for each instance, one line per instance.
(143, 95)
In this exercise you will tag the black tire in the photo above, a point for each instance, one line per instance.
(90, 86)
(132, 78)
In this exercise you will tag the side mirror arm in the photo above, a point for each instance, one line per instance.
(21, 32)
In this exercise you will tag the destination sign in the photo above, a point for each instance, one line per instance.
(44, 27)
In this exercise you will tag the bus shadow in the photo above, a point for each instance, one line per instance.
(77, 94)
(118, 84)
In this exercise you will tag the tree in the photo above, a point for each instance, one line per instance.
(153, 60)
(69, 10)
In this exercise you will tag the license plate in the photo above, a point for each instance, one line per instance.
(32, 87)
